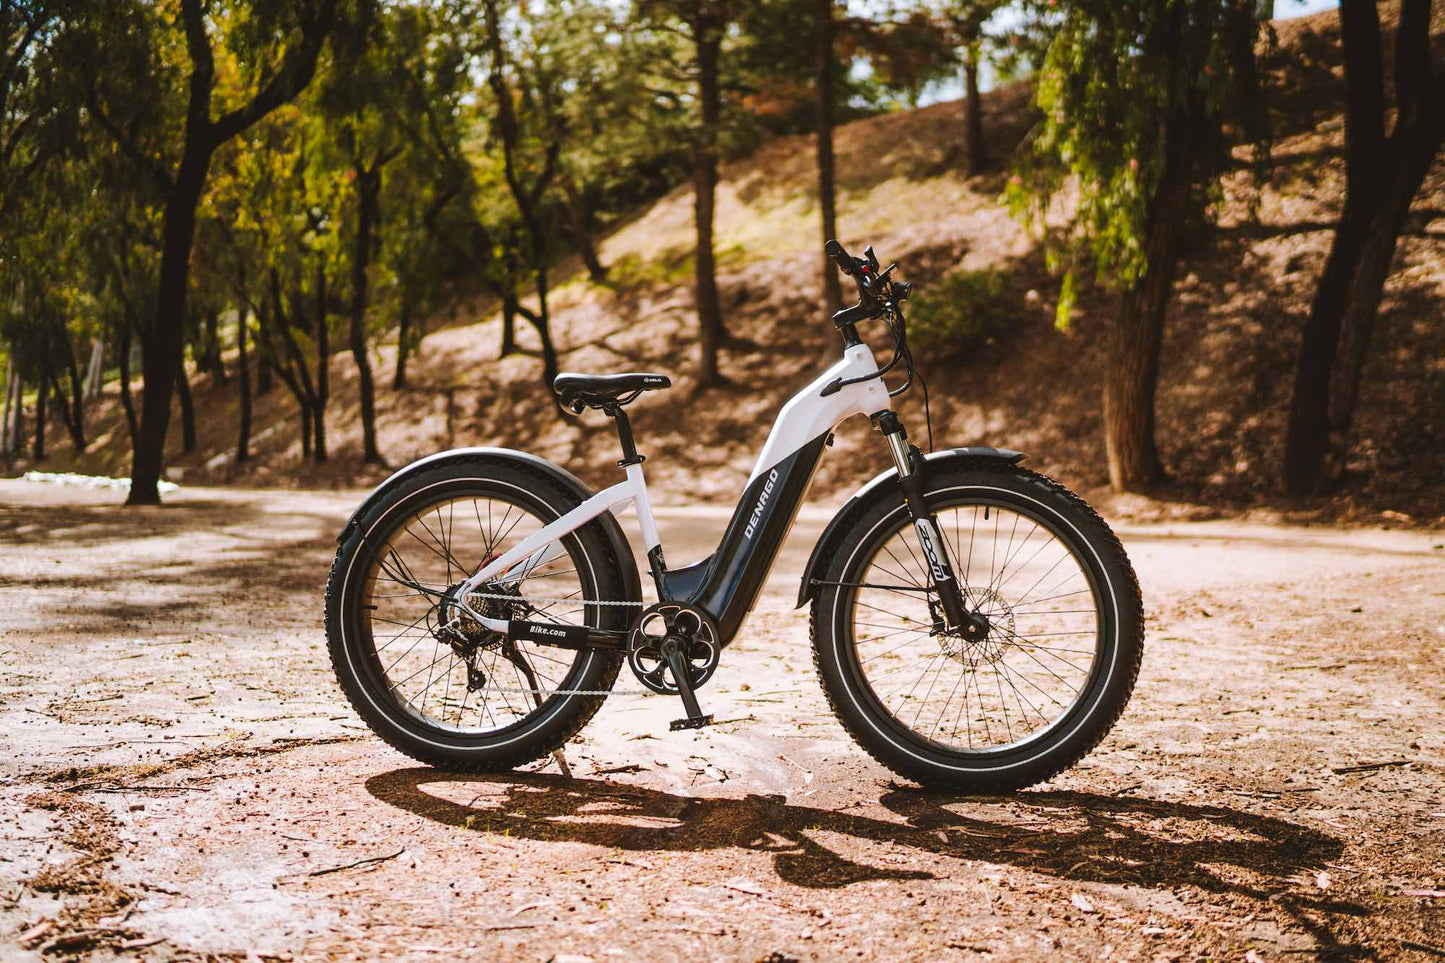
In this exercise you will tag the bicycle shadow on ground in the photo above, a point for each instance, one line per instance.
(1069, 835)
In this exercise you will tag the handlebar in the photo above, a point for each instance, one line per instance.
(878, 297)
(845, 261)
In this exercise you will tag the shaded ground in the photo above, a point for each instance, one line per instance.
(180, 777)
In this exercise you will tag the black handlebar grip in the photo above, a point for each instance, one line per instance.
(842, 258)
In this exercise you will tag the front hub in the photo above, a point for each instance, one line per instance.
(984, 638)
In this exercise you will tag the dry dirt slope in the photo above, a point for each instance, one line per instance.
(1227, 357)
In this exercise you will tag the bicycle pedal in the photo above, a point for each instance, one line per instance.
(691, 722)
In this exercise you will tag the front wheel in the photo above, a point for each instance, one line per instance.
(1043, 686)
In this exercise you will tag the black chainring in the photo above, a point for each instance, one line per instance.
(691, 627)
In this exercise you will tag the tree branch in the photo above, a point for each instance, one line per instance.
(298, 66)
(1412, 64)
(149, 165)
(203, 72)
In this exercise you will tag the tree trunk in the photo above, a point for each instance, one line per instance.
(127, 402)
(294, 371)
(1307, 434)
(161, 346)
(1133, 366)
(509, 325)
(211, 358)
(95, 370)
(75, 420)
(403, 343)
(1382, 177)
(580, 221)
(305, 414)
(243, 373)
(368, 187)
(1367, 288)
(544, 335)
(68, 416)
(9, 398)
(17, 430)
(708, 38)
(323, 365)
(975, 151)
(827, 182)
(188, 408)
(41, 396)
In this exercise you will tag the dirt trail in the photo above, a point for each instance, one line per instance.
(179, 775)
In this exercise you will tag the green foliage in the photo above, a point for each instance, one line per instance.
(962, 312)
(1135, 94)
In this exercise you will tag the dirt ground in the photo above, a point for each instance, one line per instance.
(180, 777)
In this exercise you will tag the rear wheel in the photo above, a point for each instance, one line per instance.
(1052, 674)
(427, 678)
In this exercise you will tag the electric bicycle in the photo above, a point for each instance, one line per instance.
(974, 624)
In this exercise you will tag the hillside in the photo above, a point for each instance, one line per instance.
(1226, 369)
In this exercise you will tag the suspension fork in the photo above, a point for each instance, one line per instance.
(910, 464)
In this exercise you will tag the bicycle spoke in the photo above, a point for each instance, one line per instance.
(432, 684)
(906, 657)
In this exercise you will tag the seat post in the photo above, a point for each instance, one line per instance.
(624, 435)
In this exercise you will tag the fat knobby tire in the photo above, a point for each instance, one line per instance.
(1107, 690)
(544, 730)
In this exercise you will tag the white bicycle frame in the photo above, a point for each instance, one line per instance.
(743, 560)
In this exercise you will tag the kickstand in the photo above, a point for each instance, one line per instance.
(677, 662)
(509, 650)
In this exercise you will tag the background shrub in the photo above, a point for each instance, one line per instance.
(962, 312)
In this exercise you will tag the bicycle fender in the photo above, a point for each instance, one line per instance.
(880, 486)
(613, 531)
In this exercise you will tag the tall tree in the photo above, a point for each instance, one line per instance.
(277, 43)
(967, 19)
(823, 94)
(30, 103)
(1383, 173)
(1135, 96)
(703, 25)
(531, 155)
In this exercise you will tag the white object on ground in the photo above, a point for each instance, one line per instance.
(90, 481)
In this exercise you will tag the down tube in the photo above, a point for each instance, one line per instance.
(737, 571)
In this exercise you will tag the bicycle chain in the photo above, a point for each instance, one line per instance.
(529, 600)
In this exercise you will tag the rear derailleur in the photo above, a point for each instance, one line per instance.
(468, 638)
